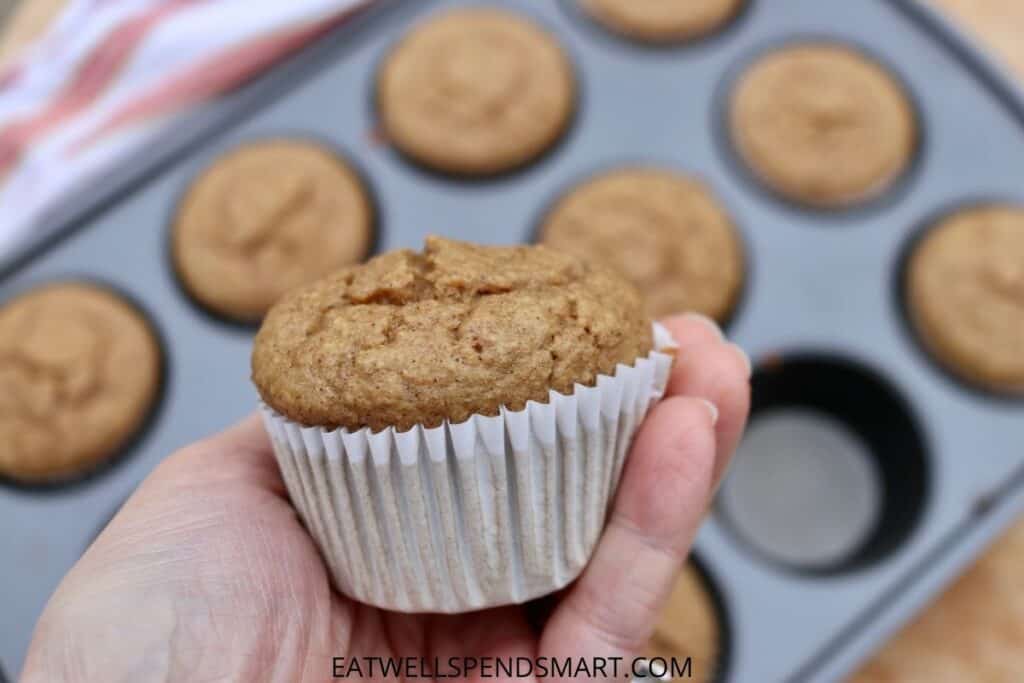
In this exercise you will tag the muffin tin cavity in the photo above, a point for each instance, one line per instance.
(832, 474)
(820, 124)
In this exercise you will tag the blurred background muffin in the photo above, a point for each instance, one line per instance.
(661, 21)
(974, 632)
(475, 92)
(265, 218)
(80, 370)
(965, 294)
(822, 124)
(690, 626)
(664, 230)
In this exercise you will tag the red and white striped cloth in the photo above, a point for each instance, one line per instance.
(111, 75)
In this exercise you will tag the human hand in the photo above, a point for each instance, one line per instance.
(207, 574)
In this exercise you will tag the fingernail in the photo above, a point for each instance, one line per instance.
(708, 323)
(744, 357)
(713, 409)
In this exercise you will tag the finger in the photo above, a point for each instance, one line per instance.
(248, 438)
(242, 453)
(719, 373)
(213, 474)
(693, 329)
(613, 607)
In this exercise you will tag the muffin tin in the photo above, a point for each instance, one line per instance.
(821, 311)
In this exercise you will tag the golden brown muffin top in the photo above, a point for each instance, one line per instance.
(664, 231)
(417, 338)
(658, 21)
(476, 91)
(974, 632)
(80, 369)
(823, 124)
(265, 218)
(965, 283)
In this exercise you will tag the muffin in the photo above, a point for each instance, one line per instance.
(80, 370)
(658, 21)
(822, 125)
(965, 295)
(664, 231)
(267, 217)
(475, 92)
(689, 627)
(451, 424)
(974, 632)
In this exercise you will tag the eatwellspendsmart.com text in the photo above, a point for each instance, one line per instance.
(584, 668)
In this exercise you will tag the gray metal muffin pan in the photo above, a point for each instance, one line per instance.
(822, 284)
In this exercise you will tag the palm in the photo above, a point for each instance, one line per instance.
(262, 581)
(300, 607)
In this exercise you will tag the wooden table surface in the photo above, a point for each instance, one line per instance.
(975, 631)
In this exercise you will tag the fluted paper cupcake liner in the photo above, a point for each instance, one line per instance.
(490, 511)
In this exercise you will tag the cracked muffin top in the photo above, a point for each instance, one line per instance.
(418, 338)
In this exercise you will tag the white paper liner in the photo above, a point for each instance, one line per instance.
(491, 511)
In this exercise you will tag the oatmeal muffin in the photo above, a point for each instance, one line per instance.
(451, 425)
(659, 21)
(475, 92)
(965, 295)
(459, 329)
(80, 369)
(267, 217)
(822, 124)
(666, 232)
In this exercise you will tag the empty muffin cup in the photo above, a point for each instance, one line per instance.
(832, 472)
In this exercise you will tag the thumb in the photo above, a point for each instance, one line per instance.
(613, 606)
(240, 454)
(233, 467)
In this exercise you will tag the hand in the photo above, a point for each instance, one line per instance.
(207, 574)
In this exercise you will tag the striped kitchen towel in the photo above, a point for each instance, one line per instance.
(111, 75)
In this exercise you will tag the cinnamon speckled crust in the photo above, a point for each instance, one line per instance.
(79, 371)
(965, 289)
(664, 231)
(689, 626)
(822, 124)
(475, 91)
(461, 329)
(267, 217)
(662, 21)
